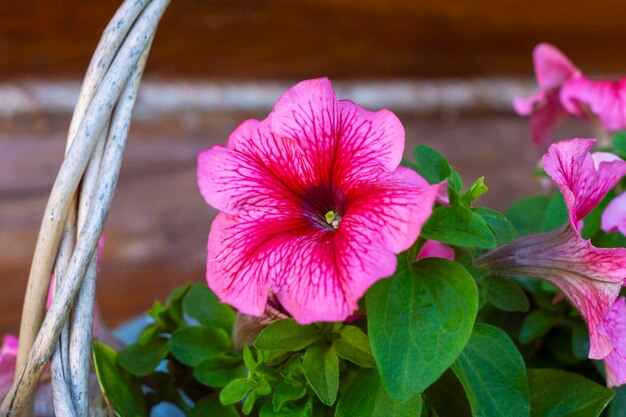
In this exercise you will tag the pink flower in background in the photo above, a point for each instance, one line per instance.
(589, 277)
(605, 99)
(313, 205)
(8, 356)
(434, 249)
(614, 326)
(552, 70)
(614, 215)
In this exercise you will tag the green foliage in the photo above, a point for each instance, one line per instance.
(321, 368)
(619, 144)
(493, 374)
(473, 192)
(536, 324)
(419, 322)
(121, 390)
(559, 393)
(500, 226)
(201, 304)
(527, 214)
(287, 335)
(459, 226)
(354, 346)
(366, 396)
(505, 294)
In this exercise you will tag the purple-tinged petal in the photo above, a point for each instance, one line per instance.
(589, 277)
(434, 249)
(614, 215)
(605, 99)
(393, 209)
(546, 119)
(583, 185)
(614, 326)
(552, 67)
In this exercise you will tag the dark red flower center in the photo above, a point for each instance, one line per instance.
(324, 206)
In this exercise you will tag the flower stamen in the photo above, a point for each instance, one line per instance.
(333, 219)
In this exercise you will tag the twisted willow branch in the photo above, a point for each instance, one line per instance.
(110, 87)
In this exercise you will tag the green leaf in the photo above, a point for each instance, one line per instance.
(287, 335)
(476, 190)
(556, 214)
(505, 294)
(535, 325)
(289, 410)
(419, 321)
(235, 391)
(218, 371)
(354, 345)
(430, 164)
(618, 405)
(619, 144)
(211, 406)
(121, 390)
(366, 397)
(556, 393)
(493, 373)
(321, 368)
(447, 396)
(192, 345)
(580, 341)
(458, 226)
(204, 306)
(142, 359)
(502, 228)
(287, 392)
(527, 214)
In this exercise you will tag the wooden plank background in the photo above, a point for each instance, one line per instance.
(157, 229)
(338, 38)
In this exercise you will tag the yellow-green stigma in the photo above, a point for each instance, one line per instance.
(333, 219)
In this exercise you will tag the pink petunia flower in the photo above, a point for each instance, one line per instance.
(604, 98)
(589, 277)
(552, 70)
(313, 205)
(434, 249)
(8, 356)
(614, 326)
(614, 215)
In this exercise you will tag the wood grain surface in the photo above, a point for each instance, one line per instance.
(338, 38)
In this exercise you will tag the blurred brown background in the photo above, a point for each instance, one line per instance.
(448, 68)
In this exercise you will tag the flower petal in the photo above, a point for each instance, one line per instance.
(324, 275)
(552, 67)
(606, 99)
(393, 209)
(614, 215)
(368, 143)
(614, 325)
(340, 139)
(308, 114)
(573, 168)
(232, 181)
(242, 257)
(434, 249)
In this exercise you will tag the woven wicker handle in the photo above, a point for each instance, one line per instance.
(74, 218)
